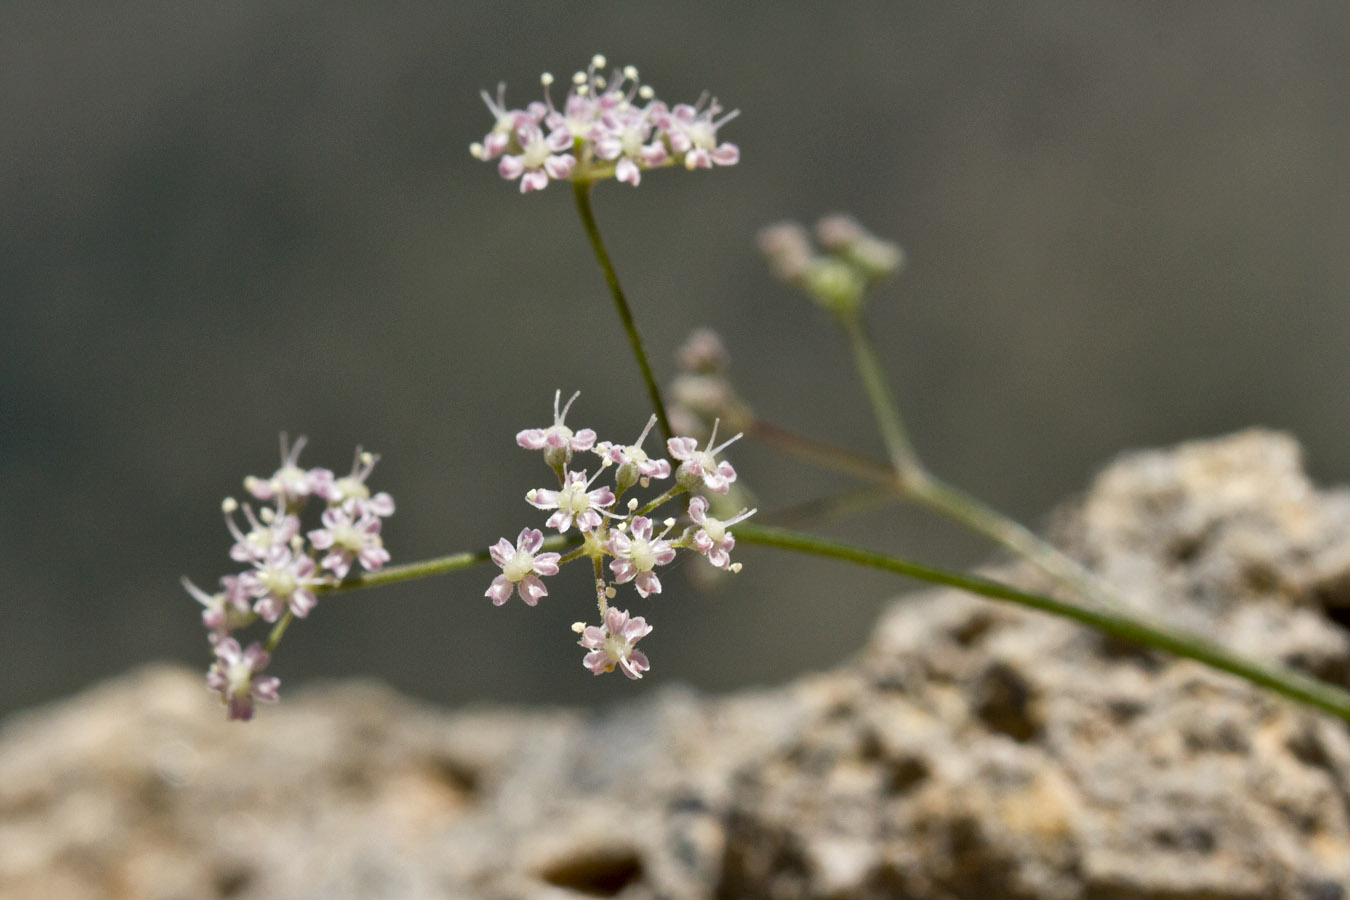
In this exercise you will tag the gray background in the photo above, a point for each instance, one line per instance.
(1127, 225)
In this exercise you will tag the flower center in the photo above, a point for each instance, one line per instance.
(279, 582)
(519, 566)
(702, 135)
(346, 535)
(240, 677)
(616, 648)
(642, 555)
(574, 499)
(350, 486)
(536, 151)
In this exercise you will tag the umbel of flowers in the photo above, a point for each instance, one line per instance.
(284, 563)
(623, 540)
(608, 127)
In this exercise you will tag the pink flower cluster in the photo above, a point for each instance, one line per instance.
(608, 127)
(285, 564)
(624, 536)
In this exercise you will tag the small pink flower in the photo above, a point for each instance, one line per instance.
(353, 487)
(521, 567)
(701, 466)
(557, 441)
(612, 644)
(624, 134)
(636, 555)
(703, 352)
(272, 528)
(505, 123)
(541, 158)
(225, 611)
(575, 501)
(712, 538)
(234, 675)
(692, 130)
(632, 461)
(289, 484)
(284, 579)
(350, 532)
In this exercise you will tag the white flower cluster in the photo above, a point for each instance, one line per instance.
(284, 565)
(609, 127)
(624, 534)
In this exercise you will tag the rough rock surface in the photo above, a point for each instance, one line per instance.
(969, 751)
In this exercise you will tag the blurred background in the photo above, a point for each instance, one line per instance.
(1127, 225)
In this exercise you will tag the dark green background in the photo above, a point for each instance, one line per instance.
(1127, 224)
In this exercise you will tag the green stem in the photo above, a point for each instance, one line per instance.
(824, 509)
(440, 565)
(928, 490)
(1283, 681)
(581, 190)
(829, 456)
(884, 407)
(915, 482)
(961, 507)
(279, 629)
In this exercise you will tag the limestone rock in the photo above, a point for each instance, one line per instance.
(970, 750)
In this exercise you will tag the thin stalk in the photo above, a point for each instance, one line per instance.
(440, 565)
(278, 630)
(884, 408)
(961, 507)
(913, 481)
(1285, 682)
(824, 509)
(581, 190)
(826, 455)
(938, 496)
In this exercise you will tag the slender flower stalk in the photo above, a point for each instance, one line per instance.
(440, 565)
(838, 281)
(581, 191)
(914, 482)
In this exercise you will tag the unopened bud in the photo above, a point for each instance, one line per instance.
(787, 248)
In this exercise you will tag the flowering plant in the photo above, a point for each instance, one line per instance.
(625, 509)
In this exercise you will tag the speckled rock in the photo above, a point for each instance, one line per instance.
(970, 750)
